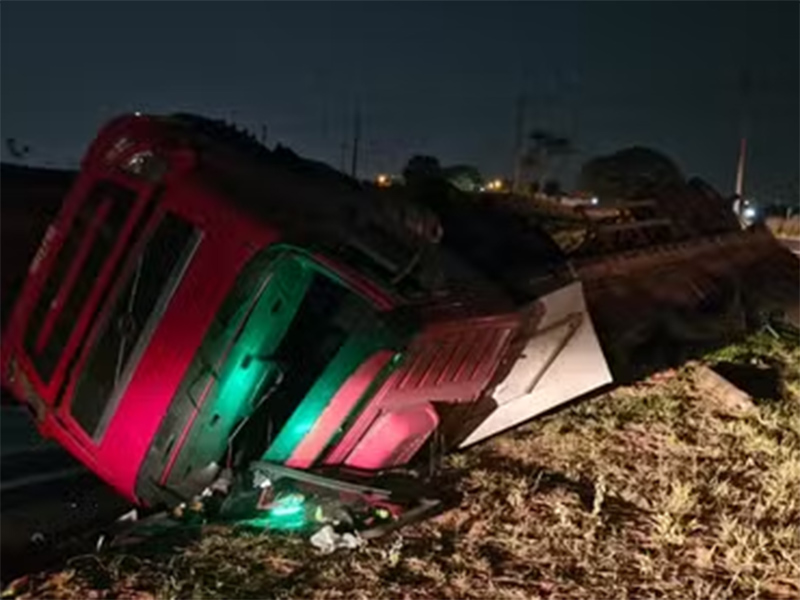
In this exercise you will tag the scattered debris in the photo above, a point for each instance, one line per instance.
(131, 515)
(393, 554)
(327, 540)
(331, 512)
(37, 538)
(223, 483)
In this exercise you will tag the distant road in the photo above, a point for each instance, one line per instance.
(27, 458)
(47, 497)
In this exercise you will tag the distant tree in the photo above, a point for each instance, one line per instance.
(421, 168)
(543, 154)
(16, 149)
(552, 187)
(630, 174)
(465, 177)
(785, 193)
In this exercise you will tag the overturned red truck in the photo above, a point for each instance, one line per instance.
(202, 302)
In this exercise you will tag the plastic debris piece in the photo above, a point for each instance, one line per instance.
(351, 541)
(333, 512)
(326, 540)
(222, 484)
(131, 515)
(266, 498)
(100, 541)
(319, 514)
(260, 480)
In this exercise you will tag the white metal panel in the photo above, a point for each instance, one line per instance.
(561, 361)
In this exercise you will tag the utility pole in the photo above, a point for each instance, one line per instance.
(744, 89)
(519, 143)
(356, 141)
(343, 156)
(740, 167)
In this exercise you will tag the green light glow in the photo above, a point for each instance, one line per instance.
(263, 333)
(241, 383)
(248, 366)
(289, 507)
(354, 351)
(289, 513)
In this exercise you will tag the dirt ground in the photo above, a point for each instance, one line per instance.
(658, 490)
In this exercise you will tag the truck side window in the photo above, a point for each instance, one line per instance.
(70, 308)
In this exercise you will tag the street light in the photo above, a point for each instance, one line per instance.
(495, 185)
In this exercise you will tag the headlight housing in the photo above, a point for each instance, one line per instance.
(146, 165)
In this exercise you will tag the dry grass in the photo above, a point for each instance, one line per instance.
(643, 493)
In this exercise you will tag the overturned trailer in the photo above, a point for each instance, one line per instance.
(203, 303)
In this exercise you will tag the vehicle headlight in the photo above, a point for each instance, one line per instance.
(146, 165)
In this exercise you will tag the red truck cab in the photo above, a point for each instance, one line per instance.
(193, 306)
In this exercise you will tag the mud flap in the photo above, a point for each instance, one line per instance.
(560, 361)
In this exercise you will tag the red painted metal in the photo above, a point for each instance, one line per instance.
(379, 297)
(454, 361)
(340, 407)
(450, 362)
(206, 390)
(72, 275)
(230, 237)
(394, 438)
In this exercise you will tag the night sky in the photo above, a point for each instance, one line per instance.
(436, 78)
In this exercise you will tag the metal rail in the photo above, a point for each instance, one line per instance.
(280, 471)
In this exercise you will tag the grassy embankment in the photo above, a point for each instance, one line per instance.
(653, 490)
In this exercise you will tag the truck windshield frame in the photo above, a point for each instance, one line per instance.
(135, 312)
